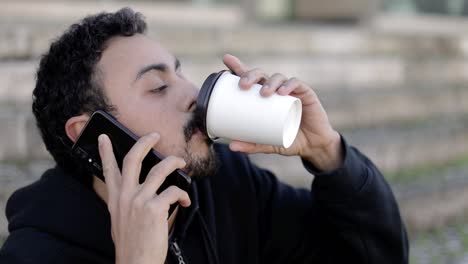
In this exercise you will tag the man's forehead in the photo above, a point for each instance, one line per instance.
(134, 51)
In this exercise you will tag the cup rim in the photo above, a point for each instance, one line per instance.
(291, 127)
(204, 96)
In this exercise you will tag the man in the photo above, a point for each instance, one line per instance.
(234, 211)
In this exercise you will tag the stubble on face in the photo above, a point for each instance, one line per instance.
(199, 165)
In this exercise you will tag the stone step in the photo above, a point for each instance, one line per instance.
(352, 73)
(159, 13)
(391, 147)
(398, 146)
(347, 106)
(28, 37)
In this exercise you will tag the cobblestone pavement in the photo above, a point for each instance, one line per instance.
(448, 245)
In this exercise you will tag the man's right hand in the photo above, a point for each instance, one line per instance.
(138, 215)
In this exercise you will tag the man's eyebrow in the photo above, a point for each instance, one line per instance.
(158, 67)
(162, 67)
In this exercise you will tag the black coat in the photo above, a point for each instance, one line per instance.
(241, 215)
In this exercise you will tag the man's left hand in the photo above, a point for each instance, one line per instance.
(316, 142)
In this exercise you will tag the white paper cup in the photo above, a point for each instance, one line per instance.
(234, 114)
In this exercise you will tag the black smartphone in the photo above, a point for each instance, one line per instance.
(86, 149)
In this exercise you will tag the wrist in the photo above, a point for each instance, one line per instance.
(329, 156)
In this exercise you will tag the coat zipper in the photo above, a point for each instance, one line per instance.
(175, 250)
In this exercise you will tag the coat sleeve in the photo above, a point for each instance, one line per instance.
(350, 215)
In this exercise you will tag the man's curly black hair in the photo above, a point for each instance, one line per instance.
(68, 82)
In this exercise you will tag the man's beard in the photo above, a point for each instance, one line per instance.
(199, 167)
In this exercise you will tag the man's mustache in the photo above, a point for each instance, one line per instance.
(195, 123)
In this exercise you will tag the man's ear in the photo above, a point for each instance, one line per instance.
(74, 125)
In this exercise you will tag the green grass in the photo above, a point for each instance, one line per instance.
(415, 173)
(434, 245)
(464, 236)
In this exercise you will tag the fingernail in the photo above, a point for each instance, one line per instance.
(282, 88)
(266, 87)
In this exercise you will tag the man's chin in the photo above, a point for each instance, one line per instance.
(202, 162)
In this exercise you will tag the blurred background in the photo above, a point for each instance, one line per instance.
(392, 75)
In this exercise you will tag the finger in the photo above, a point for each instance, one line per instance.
(158, 174)
(252, 148)
(299, 89)
(132, 162)
(110, 169)
(252, 77)
(272, 84)
(234, 64)
(174, 194)
(293, 85)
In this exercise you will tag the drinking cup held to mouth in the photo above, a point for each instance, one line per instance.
(235, 114)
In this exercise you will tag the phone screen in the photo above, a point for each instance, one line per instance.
(86, 149)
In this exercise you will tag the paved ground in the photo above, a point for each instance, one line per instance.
(447, 245)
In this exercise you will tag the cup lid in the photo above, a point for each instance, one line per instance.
(204, 95)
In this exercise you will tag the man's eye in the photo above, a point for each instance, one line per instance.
(159, 89)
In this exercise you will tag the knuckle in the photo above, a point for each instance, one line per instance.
(157, 208)
(171, 158)
(185, 195)
(278, 76)
(262, 74)
(176, 191)
(181, 162)
(106, 169)
(129, 159)
(146, 138)
(245, 74)
(172, 191)
(255, 72)
(155, 173)
(249, 75)
(176, 160)
(139, 201)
